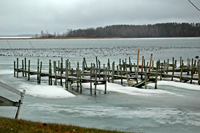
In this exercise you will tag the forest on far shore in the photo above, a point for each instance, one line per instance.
(129, 31)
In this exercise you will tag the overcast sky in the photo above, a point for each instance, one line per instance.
(32, 16)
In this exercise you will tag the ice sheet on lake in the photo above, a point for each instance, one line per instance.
(129, 90)
(6, 71)
(168, 116)
(177, 84)
(45, 91)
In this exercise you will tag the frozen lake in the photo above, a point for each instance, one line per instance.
(173, 107)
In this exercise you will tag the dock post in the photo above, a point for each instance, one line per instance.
(146, 76)
(181, 72)
(180, 61)
(128, 80)
(156, 78)
(77, 74)
(61, 72)
(17, 67)
(164, 66)
(99, 70)
(173, 65)
(22, 68)
(14, 69)
(61, 65)
(58, 67)
(39, 79)
(25, 67)
(188, 65)
(192, 71)
(167, 65)
(198, 72)
(120, 64)
(108, 71)
(38, 62)
(95, 90)
(142, 67)
(104, 78)
(161, 71)
(29, 62)
(91, 78)
(113, 71)
(138, 63)
(121, 76)
(136, 74)
(66, 75)
(55, 82)
(50, 73)
(150, 63)
(97, 62)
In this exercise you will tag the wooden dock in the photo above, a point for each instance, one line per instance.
(136, 75)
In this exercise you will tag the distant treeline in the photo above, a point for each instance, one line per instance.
(126, 31)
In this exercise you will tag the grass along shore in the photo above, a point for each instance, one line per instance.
(8, 125)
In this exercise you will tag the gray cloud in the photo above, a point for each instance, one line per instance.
(32, 16)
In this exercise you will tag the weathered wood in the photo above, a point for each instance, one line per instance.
(38, 63)
(167, 65)
(156, 75)
(145, 78)
(14, 69)
(50, 73)
(66, 74)
(150, 63)
(142, 67)
(113, 71)
(17, 67)
(95, 89)
(40, 71)
(25, 67)
(29, 65)
(138, 54)
(173, 65)
(90, 79)
(55, 80)
(181, 72)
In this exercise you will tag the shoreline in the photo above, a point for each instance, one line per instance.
(26, 38)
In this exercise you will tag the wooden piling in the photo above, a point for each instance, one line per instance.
(95, 89)
(150, 63)
(91, 78)
(17, 67)
(104, 78)
(138, 54)
(66, 74)
(22, 68)
(156, 77)
(192, 71)
(50, 73)
(55, 81)
(29, 65)
(38, 63)
(25, 67)
(167, 65)
(113, 71)
(146, 76)
(40, 71)
(14, 69)
(181, 72)
(173, 65)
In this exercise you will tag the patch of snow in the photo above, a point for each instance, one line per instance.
(46, 91)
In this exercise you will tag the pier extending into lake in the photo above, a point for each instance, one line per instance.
(134, 73)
